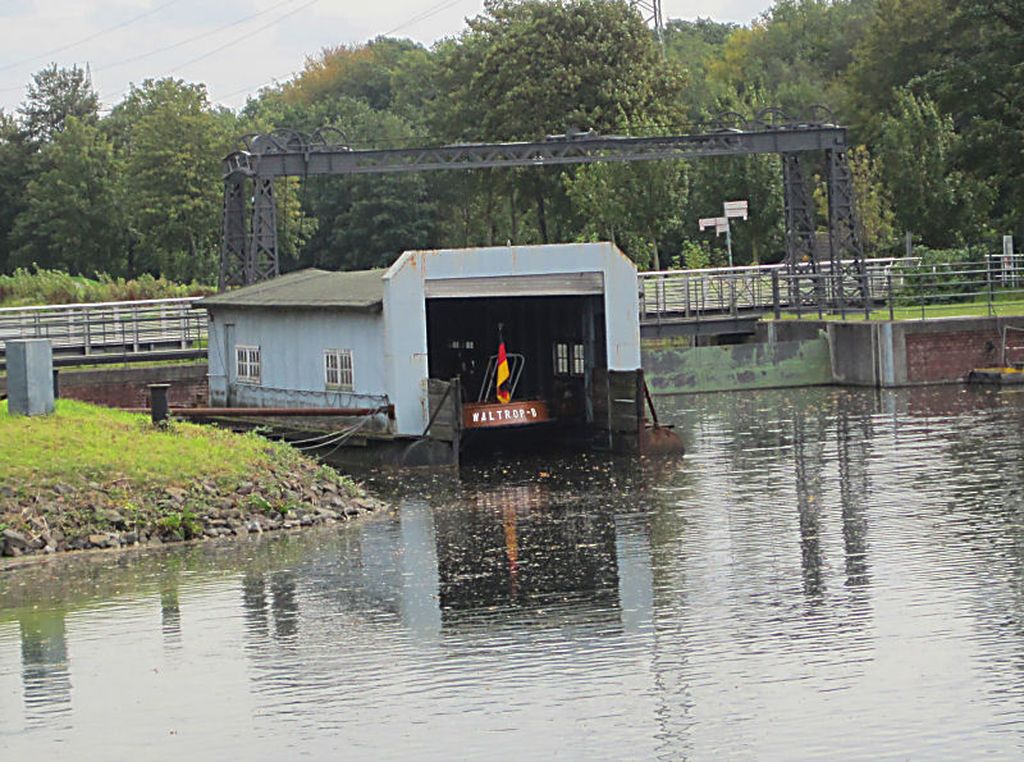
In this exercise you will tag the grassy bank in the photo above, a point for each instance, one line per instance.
(26, 288)
(89, 476)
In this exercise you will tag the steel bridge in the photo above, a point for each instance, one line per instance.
(672, 302)
(249, 251)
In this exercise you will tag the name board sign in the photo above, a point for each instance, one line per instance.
(495, 415)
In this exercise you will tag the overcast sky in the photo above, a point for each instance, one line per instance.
(234, 46)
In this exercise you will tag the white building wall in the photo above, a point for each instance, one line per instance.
(292, 344)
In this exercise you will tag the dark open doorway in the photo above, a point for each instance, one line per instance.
(561, 340)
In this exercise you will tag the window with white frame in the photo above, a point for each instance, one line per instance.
(561, 359)
(568, 359)
(338, 369)
(577, 359)
(247, 364)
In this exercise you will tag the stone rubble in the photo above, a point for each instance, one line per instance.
(64, 517)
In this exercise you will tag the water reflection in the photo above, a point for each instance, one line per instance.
(827, 573)
(44, 667)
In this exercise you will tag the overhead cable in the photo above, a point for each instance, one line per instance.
(189, 40)
(90, 38)
(422, 16)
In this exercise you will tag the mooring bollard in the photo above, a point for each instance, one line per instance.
(158, 408)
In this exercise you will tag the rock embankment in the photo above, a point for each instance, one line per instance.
(115, 514)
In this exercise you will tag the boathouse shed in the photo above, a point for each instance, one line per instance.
(314, 338)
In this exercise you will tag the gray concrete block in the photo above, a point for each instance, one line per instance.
(29, 377)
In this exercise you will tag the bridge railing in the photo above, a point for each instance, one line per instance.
(909, 288)
(717, 291)
(109, 327)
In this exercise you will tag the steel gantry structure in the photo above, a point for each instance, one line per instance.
(249, 252)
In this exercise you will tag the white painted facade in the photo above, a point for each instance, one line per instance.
(389, 348)
(292, 345)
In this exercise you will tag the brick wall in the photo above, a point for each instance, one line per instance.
(949, 355)
(126, 387)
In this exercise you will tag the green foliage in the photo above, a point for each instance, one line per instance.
(930, 88)
(918, 149)
(694, 255)
(183, 525)
(38, 286)
(637, 206)
(55, 95)
(72, 216)
(173, 144)
(758, 179)
(259, 503)
(943, 275)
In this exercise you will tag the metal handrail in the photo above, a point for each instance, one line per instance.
(100, 327)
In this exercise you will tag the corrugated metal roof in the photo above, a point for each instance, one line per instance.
(309, 289)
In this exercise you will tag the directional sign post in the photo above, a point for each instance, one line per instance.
(731, 210)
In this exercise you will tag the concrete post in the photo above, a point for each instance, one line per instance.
(29, 377)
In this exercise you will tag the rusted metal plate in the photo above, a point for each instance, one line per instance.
(494, 415)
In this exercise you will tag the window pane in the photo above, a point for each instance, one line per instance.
(577, 359)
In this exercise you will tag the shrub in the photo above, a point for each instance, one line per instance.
(39, 286)
(943, 275)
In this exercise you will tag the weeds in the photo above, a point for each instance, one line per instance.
(40, 286)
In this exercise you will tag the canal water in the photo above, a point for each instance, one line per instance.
(828, 573)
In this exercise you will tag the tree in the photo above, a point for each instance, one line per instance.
(918, 148)
(72, 218)
(524, 70)
(54, 95)
(796, 53)
(638, 206)
(758, 179)
(903, 41)
(173, 143)
(366, 220)
(372, 73)
(15, 172)
(875, 216)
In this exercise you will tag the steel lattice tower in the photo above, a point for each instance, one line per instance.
(650, 11)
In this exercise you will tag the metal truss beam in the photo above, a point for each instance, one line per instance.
(799, 202)
(268, 159)
(249, 256)
(801, 228)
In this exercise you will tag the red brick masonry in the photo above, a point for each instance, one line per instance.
(950, 355)
(126, 386)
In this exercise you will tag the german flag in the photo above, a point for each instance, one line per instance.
(501, 379)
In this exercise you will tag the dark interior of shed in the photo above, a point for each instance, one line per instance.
(561, 340)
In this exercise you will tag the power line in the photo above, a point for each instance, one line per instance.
(226, 45)
(91, 37)
(216, 50)
(422, 16)
(196, 38)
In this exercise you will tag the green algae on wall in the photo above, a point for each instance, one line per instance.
(681, 370)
